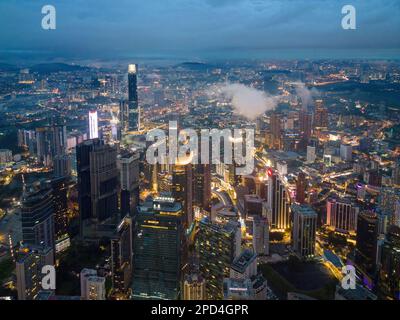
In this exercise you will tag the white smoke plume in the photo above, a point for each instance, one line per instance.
(247, 101)
(306, 95)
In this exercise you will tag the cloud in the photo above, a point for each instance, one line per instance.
(247, 101)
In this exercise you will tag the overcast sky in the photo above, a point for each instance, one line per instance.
(104, 28)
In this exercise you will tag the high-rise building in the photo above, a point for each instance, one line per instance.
(159, 249)
(134, 110)
(182, 188)
(129, 178)
(311, 154)
(342, 214)
(346, 151)
(29, 263)
(202, 185)
(260, 235)
(277, 202)
(93, 287)
(97, 181)
(390, 264)
(276, 130)
(301, 185)
(60, 191)
(304, 230)
(93, 125)
(217, 244)
(194, 287)
(244, 266)
(122, 258)
(37, 217)
(367, 243)
(321, 115)
(305, 125)
(62, 165)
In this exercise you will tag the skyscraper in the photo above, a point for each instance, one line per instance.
(93, 287)
(194, 287)
(260, 235)
(202, 185)
(97, 181)
(159, 245)
(217, 245)
(182, 188)
(29, 263)
(277, 202)
(93, 125)
(134, 110)
(304, 230)
(342, 214)
(367, 243)
(121, 258)
(37, 218)
(60, 188)
(301, 185)
(128, 164)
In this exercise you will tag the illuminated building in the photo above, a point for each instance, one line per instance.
(97, 181)
(305, 125)
(342, 214)
(346, 151)
(276, 131)
(388, 199)
(244, 266)
(260, 235)
(390, 264)
(62, 165)
(311, 154)
(217, 245)
(95, 288)
(29, 263)
(367, 244)
(182, 188)
(159, 249)
(277, 202)
(321, 115)
(37, 217)
(134, 110)
(129, 179)
(122, 257)
(93, 125)
(60, 188)
(304, 229)
(202, 185)
(194, 287)
(83, 276)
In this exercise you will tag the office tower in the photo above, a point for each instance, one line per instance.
(37, 217)
(244, 282)
(301, 185)
(390, 264)
(97, 181)
(83, 276)
(62, 165)
(346, 151)
(305, 125)
(95, 288)
(342, 214)
(277, 202)
(321, 115)
(124, 115)
(182, 188)
(253, 205)
(121, 258)
(93, 125)
(60, 193)
(59, 139)
(311, 154)
(217, 244)
(244, 266)
(128, 163)
(159, 249)
(194, 287)
(388, 199)
(134, 110)
(373, 178)
(202, 185)
(396, 172)
(304, 229)
(276, 130)
(29, 263)
(367, 243)
(261, 235)
(43, 146)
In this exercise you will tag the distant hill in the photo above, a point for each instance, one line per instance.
(7, 67)
(55, 67)
(195, 66)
